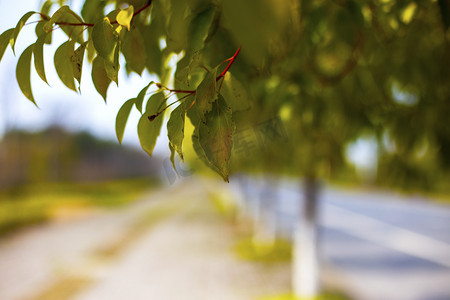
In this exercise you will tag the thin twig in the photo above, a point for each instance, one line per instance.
(45, 17)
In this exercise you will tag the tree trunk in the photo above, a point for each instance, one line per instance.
(305, 277)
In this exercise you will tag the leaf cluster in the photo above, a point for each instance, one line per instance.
(331, 72)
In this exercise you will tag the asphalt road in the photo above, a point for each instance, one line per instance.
(376, 246)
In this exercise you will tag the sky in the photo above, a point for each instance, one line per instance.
(57, 104)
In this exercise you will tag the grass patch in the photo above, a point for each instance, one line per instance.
(31, 204)
(249, 249)
(327, 295)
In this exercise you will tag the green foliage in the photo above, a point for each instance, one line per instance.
(206, 94)
(19, 27)
(38, 53)
(4, 41)
(148, 131)
(63, 64)
(175, 130)
(122, 118)
(99, 77)
(140, 97)
(65, 17)
(77, 61)
(215, 137)
(331, 72)
(23, 73)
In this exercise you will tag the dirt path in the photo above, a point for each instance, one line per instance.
(170, 246)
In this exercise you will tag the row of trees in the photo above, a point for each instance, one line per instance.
(327, 72)
(55, 154)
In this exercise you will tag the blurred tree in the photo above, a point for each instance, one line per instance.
(289, 83)
(55, 154)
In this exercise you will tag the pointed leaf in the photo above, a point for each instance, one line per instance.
(63, 64)
(124, 17)
(105, 40)
(199, 28)
(234, 93)
(141, 95)
(64, 16)
(40, 31)
(45, 8)
(38, 53)
(172, 157)
(23, 73)
(200, 152)
(206, 92)
(215, 137)
(148, 131)
(152, 49)
(77, 61)
(4, 41)
(122, 118)
(99, 76)
(112, 68)
(19, 27)
(92, 10)
(133, 48)
(175, 129)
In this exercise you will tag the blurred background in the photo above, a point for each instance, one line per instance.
(82, 217)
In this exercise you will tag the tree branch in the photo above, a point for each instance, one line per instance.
(45, 17)
(229, 64)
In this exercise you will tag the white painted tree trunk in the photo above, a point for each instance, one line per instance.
(305, 277)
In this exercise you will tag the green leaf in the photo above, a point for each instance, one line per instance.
(23, 71)
(234, 93)
(175, 128)
(92, 10)
(172, 157)
(40, 31)
(152, 50)
(148, 131)
(45, 8)
(99, 76)
(77, 61)
(141, 95)
(200, 152)
(112, 71)
(106, 43)
(90, 49)
(206, 92)
(199, 28)
(215, 137)
(124, 16)
(38, 52)
(187, 69)
(63, 64)
(122, 118)
(105, 40)
(133, 49)
(4, 41)
(19, 27)
(66, 15)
